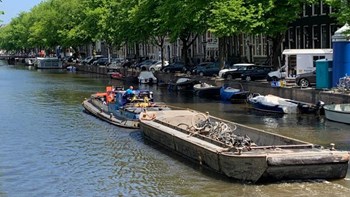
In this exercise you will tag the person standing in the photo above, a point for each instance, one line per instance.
(130, 91)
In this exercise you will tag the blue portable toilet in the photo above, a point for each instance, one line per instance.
(341, 54)
(323, 73)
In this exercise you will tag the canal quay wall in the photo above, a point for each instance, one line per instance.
(309, 95)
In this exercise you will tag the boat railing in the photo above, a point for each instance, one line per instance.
(292, 146)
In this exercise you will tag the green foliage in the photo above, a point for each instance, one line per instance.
(128, 22)
(342, 10)
(233, 17)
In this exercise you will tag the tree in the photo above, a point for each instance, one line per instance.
(229, 18)
(149, 15)
(343, 10)
(184, 20)
(269, 17)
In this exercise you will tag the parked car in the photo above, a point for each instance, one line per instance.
(192, 69)
(259, 72)
(101, 62)
(89, 60)
(188, 69)
(237, 73)
(232, 67)
(158, 65)
(174, 67)
(144, 65)
(306, 79)
(116, 63)
(207, 69)
(128, 63)
(278, 74)
(85, 60)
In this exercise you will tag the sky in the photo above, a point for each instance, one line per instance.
(12, 8)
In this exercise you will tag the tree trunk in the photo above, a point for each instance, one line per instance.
(222, 50)
(184, 51)
(137, 51)
(162, 50)
(276, 49)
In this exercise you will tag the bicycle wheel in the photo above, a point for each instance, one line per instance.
(199, 121)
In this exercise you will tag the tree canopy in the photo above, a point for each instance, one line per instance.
(132, 22)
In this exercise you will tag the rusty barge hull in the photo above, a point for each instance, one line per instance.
(275, 157)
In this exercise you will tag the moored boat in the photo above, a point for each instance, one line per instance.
(147, 77)
(183, 84)
(241, 152)
(48, 63)
(236, 95)
(338, 112)
(275, 104)
(207, 90)
(120, 109)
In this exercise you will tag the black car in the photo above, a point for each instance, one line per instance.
(306, 79)
(91, 59)
(232, 74)
(143, 63)
(174, 67)
(207, 69)
(101, 62)
(259, 72)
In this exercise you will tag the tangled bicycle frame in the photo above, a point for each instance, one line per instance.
(219, 131)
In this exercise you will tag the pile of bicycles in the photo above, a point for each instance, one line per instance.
(219, 131)
(344, 84)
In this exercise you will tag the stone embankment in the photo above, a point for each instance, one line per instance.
(309, 95)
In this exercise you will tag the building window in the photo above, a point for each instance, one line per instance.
(308, 10)
(324, 35)
(304, 10)
(291, 38)
(306, 38)
(324, 8)
(298, 38)
(315, 36)
(315, 9)
(258, 45)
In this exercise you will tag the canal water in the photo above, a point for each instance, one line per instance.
(50, 147)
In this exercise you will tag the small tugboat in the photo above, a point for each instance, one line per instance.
(242, 152)
(120, 107)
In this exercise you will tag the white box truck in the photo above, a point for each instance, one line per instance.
(298, 61)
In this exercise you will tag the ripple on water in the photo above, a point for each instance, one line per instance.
(49, 147)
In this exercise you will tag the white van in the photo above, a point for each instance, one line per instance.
(277, 74)
(298, 61)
